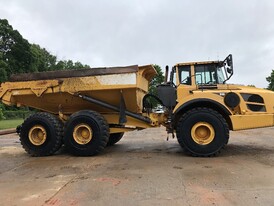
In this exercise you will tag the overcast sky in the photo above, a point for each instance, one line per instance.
(126, 32)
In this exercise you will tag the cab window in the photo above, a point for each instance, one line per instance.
(184, 75)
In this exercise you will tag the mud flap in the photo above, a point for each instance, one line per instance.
(122, 118)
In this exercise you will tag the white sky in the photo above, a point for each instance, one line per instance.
(126, 32)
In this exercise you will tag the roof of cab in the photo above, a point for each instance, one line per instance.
(195, 63)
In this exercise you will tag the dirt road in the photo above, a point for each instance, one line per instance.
(142, 169)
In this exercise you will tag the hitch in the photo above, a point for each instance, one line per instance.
(170, 128)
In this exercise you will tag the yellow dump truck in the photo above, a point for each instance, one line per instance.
(88, 109)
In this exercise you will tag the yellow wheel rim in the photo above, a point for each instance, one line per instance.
(202, 133)
(37, 135)
(82, 134)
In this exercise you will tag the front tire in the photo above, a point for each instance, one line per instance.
(86, 133)
(41, 134)
(202, 132)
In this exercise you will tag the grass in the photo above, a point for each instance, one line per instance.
(12, 123)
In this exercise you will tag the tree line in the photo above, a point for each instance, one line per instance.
(17, 55)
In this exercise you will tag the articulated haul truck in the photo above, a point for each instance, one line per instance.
(88, 109)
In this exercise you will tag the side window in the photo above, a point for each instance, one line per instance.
(185, 77)
(174, 78)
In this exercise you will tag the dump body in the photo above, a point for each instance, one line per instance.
(53, 92)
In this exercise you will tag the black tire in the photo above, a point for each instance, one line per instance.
(114, 138)
(47, 144)
(205, 123)
(18, 129)
(96, 127)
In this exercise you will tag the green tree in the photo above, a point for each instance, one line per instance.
(1, 115)
(3, 70)
(60, 65)
(1, 111)
(17, 55)
(79, 65)
(152, 89)
(14, 49)
(158, 79)
(69, 64)
(3, 75)
(42, 60)
(270, 80)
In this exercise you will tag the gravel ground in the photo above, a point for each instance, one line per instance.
(142, 169)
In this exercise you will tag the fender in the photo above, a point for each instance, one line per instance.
(203, 102)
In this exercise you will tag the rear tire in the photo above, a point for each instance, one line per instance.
(86, 133)
(41, 134)
(202, 132)
(114, 138)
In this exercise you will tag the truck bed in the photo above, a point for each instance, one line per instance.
(54, 91)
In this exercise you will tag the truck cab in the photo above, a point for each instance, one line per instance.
(202, 75)
(202, 107)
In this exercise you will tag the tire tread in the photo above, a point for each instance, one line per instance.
(212, 112)
(57, 124)
(104, 127)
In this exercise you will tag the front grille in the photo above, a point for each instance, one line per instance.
(254, 102)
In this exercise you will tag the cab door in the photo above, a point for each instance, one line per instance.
(185, 80)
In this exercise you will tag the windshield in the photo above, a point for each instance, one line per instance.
(209, 74)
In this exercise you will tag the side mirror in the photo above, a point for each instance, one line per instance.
(229, 60)
(228, 63)
(229, 70)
